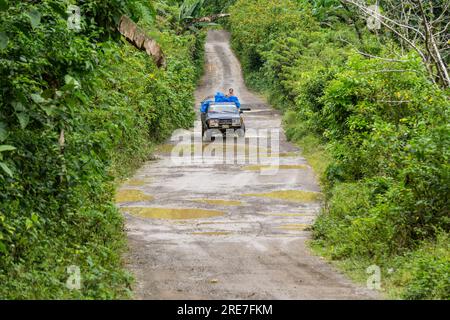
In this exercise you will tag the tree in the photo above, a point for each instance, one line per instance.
(420, 25)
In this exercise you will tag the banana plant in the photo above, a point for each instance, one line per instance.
(190, 10)
(191, 15)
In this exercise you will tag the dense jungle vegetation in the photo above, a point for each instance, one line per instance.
(80, 109)
(370, 107)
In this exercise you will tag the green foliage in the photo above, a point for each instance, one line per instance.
(144, 12)
(390, 130)
(183, 17)
(257, 24)
(79, 110)
(191, 9)
(380, 124)
(428, 271)
(217, 6)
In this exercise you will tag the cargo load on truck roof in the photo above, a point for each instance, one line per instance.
(219, 97)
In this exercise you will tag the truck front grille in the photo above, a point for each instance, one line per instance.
(227, 121)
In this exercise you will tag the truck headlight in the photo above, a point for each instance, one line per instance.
(214, 123)
(236, 122)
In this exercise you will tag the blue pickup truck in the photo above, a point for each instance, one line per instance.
(222, 115)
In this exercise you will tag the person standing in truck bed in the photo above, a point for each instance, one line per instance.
(232, 98)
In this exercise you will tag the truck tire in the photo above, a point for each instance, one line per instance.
(207, 135)
(241, 132)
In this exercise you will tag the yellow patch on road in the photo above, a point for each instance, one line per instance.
(247, 151)
(289, 195)
(294, 226)
(280, 167)
(288, 154)
(283, 155)
(239, 149)
(220, 202)
(172, 214)
(131, 195)
(164, 148)
(135, 183)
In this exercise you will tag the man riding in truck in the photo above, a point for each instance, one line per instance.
(232, 98)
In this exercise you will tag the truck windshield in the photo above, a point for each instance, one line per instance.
(223, 108)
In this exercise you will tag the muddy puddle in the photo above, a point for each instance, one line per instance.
(207, 148)
(172, 213)
(135, 183)
(289, 195)
(132, 195)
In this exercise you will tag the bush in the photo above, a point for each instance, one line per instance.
(381, 125)
(257, 26)
(428, 269)
(375, 142)
(81, 109)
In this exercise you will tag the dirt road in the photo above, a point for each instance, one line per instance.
(227, 231)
